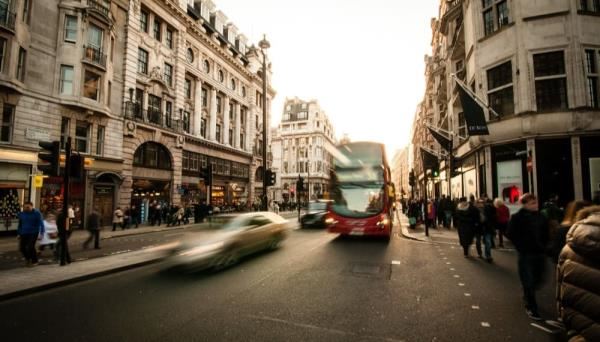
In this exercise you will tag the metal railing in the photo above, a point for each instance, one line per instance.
(100, 6)
(7, 18)
(153, 117)
(94, 55)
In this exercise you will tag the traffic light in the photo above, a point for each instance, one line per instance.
(206, 174)
(411, 178)
(52, 156)
(300, 184)
(271, 177)
(76, 166)
(435, 170)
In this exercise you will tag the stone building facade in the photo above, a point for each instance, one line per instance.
(536, 65)
(400, 169)
(301, 148)
(149, 91)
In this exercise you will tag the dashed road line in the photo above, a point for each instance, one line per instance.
(485, 324)
(475, 307)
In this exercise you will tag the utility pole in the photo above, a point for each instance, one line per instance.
(425, 204)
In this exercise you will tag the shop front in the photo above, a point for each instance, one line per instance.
(147, 192)
(52, 198)
(590, 166)
(510, 177)
(14, 191)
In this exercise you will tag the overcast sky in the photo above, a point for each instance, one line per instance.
(362, 60)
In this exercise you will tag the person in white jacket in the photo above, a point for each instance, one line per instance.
(50, 236)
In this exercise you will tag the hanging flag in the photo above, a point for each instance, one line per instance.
(473, 112)
(446, 143)
(429, 159)
(38, 181)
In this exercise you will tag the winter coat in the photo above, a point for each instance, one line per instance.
(118, 216)
(502, 214)
(466, 218)
(578, 277)
(489, 218)
(528, 231)
(93, 221)
(30, 222)
(50, 235)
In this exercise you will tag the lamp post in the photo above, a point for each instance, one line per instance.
(264, 44)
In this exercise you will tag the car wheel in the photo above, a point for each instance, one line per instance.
(274, 243)
(226, 260)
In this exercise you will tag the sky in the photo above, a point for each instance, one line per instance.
(362, 60)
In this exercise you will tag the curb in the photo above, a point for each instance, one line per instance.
(409, 236)
(146, 232)
(74, 280)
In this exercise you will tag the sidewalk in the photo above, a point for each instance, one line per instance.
(26, 280)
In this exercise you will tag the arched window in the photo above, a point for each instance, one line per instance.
(221, 76)
(206, 66)
(189, 55)
(243, 91)
(232, 83)
(152, 155)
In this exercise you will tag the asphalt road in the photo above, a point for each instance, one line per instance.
(316, 287)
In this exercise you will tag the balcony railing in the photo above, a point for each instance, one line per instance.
(7, 18)
(102, 6)
(153, 117)
(94, 55)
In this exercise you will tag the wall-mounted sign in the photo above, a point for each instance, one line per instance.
(37, 134)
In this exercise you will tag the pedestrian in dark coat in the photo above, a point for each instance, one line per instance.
(488, 227)
(528, 231)
(93, 226)
(502, 217)
(62, 223)
(30, 229)
(578, 286)
(466, 217)
(135, 215)
(558, 238)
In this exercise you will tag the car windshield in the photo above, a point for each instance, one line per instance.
(317, 206)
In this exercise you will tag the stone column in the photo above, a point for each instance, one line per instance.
(213, 115)
(248, 136)
(145, 105)
(226, 120)
(197, 108)
(238, 128)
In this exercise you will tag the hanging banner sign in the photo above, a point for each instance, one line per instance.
(38, 181)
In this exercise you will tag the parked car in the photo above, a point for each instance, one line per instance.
(315, 215)
(230, 238)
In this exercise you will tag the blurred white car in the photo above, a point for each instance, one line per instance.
(231, 238)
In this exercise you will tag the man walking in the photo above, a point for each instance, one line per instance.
(31, 227)
(93, 226)
(62, 222)
(466, 219)
(528, 230)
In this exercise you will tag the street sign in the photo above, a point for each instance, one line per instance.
(38, 181)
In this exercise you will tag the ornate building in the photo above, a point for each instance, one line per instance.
(536, 67)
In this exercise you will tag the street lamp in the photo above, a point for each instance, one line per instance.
(264, 44)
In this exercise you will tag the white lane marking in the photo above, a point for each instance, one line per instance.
(485, 324)
(467, 294)
(448, 263)
(456, 276)
(445, 258)
(543, 328)
(461, 284)
(452, 269)
(451, 247)
(475, 307)
(395, 262)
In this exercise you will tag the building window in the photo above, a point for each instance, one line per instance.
(232, 84)
(221, 76)
(169, 74)
(243, 91)
(168, 114)
(187, 88)
(550, 81)
(91, 85)
(203, 127)
(591, 70)
(152, 155)
(64, 131)
(21, 64)
(142, 61)
(590, 6)
(230, 137)
(218, 134)
(219, 104)
(206, 66)
(6, 124)
(95, 37)
(154, 109)
(2, 53)
(204, 98)
(242, 141)
(144, 21)
(100, 140)
(495, 15)
(108, 93)
(26, 10)
(500, 89)
(186, 122)
(231, 107)
(112, 48)
(66, 80)
(156, 29)
(169, 38)
(82, 136)
(71, 28)
(189, 55)
(243, 115)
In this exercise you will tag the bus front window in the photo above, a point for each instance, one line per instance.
(359, 200)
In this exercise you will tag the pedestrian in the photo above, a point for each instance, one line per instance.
(439, 210)
(117, 219)
(135, 215)
(50, 236)
(126, 218)
(430, 218)
(578, 276)
(71, 217)
(502, 217)
(466, 218)
(62, 223)
(94, 222)
(276, 207)
(179, 215)
(558, 238)
(528, 231)
(29, 230)
(488, 227)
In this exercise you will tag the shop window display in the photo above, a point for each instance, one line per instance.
(9, 207)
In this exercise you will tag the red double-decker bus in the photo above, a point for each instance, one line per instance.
(362, 192)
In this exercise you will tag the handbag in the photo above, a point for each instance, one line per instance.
(412, 221)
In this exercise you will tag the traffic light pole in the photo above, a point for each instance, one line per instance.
(425, 204)
(298, 198)
(64, 251)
